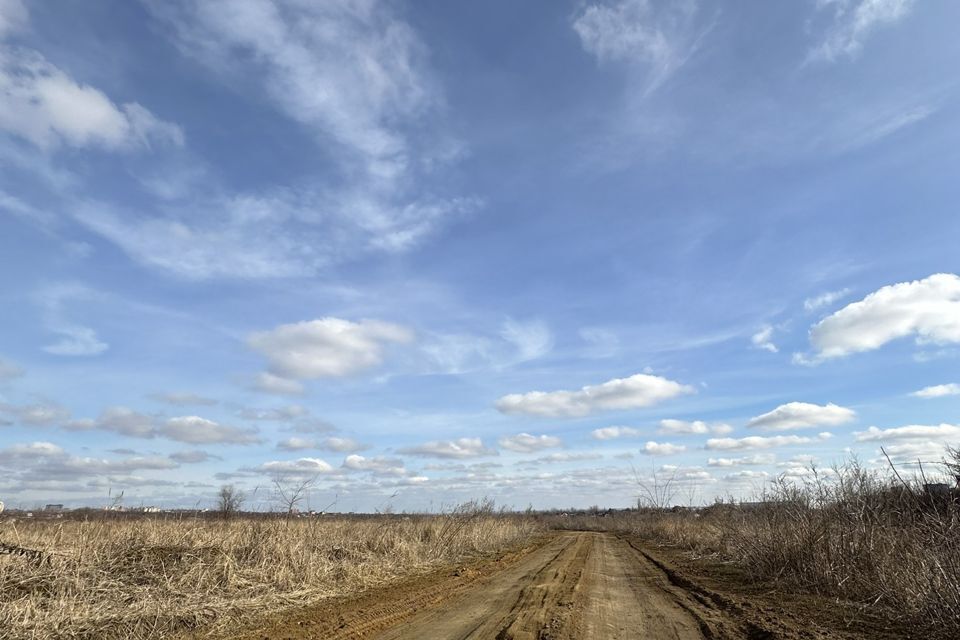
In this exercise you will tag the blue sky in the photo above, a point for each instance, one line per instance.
(433, 251)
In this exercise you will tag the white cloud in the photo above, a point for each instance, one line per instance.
(853, 22)
(30, 451)
(662, 448)
(762, 339)
(197, 430)
(526, 443)
(938, 391)
(824, 299)
(45, 106)
(909, 432)
(75, 339)
(379, 465)
(928, 309)
(354, 76)
(124, 421)
(194, 456)
(755, 442)
(298, 467)
(612, 433)
(459, 448)
(183, 399)
(328, 347)
(269, 383)
(640, 390)
(9, 370)
(40, 414)
(296, 444)
(532, 339)
(660, 39)
(746, 474)
(694, 427)
(13, 16)
(275, 414)
(558, 458)
(754, 460)
(342, 445)
(802, 415)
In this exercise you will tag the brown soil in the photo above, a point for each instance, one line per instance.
(573, 585)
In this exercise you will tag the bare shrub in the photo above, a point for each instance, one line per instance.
(867, 537)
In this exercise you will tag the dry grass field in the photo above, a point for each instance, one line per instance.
(156, 577)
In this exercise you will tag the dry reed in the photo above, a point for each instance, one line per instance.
(153, 578)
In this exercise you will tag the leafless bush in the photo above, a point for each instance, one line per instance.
(870, 538)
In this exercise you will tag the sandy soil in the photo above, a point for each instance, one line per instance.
(570, 585)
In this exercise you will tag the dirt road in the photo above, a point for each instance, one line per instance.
(571, 585)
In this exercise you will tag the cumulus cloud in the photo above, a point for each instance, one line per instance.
(296, 444)
(197, 430)
(42, 414)
(652, 448)
(927, 309)
(763, 339)
(640, 390)
(328, 347)
(853, 22)
(802, 415)
(379, 465)
(824, 300)
(612, 433)
(269, 383)
(183, 399)
(194, 456)
(695, 427)
(526, 443)
(189, 429)
(658, 38)
(755, 442)
(275, 414)
(909, 432)
(48, 108)
(459, 448)
(757, 459)
(559, 458)
(938, 391)
(301, 467)
(342, 445)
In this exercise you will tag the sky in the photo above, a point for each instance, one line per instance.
(423, 252)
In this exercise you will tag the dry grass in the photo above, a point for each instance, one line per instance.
(153, 578)
(864, 537)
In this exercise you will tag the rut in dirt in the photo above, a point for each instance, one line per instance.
(580, 585)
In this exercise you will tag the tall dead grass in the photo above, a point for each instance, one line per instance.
(152, 578)
(866, 537)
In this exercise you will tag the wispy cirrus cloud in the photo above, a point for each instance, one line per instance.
(657, 38)
(852, 23)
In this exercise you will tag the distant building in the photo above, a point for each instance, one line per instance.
(150, 509)
(53, 508)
